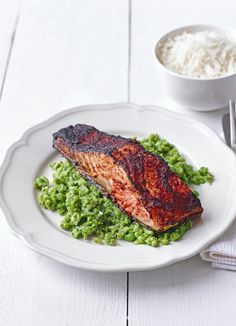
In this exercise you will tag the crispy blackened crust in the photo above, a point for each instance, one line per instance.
(167, 200)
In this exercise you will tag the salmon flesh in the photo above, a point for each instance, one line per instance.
(139, 182)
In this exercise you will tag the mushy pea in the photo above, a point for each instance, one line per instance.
(88, 214)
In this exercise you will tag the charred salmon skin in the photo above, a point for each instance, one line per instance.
(139, 182)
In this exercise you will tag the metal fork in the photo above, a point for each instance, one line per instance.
(232, 117)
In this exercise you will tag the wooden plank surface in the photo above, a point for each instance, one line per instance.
(65, 53)
(189, 293)
(38, 291)
(9, 11)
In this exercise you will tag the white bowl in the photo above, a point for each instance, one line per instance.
(198, 94)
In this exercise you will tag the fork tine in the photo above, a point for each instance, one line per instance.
(234, 136)
(232, 114)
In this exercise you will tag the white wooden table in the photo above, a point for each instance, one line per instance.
(59, 54)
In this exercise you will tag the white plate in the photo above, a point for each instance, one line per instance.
(30, 156)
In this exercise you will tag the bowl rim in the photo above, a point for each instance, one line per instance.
(222, 28)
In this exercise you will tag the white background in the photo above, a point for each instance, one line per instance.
(58, 54)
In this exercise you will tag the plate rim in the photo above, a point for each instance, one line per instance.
(27, 238)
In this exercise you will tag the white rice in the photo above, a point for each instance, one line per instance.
(205, 54)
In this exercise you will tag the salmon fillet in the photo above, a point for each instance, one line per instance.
(140, 183)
